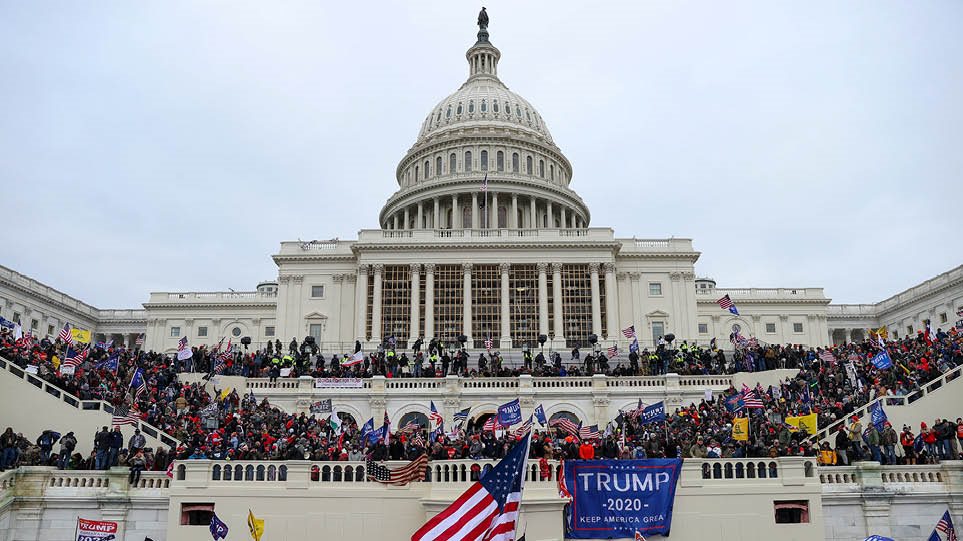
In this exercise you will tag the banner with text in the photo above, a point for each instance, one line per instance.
(337, 383)
(96, 530)
(616, 498)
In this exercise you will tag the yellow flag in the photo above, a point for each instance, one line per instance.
(805, 422)
(256, 525)
(740, 428)
(225, 393)
(80, 335)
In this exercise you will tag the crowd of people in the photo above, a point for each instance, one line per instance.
(831, 383)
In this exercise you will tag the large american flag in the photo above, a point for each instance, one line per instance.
(182, 344)
(725, 302)
(123, 416)
(613, 351)
(75, 358)
(589, 432)
(629, 332)
(413, 471)
(566, 425)
(488, 510)
(434, 416)
(65, 334)
(491, 424)
(140, 340)
(945, 526)
(827, 356)
(523, 429)
(489, 343)
(749, 398)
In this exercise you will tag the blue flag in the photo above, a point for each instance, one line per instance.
(111, 363)
(540, 415)
(367, 428)
(877, 415)
(218, 528)
(735, 403)
(882, 360)
(634, 346)
(510, 413)
(654, 413)
(877, 538)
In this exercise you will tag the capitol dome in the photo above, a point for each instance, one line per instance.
(484, 159)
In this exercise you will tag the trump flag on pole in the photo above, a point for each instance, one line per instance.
(882, 360)
(510, 413)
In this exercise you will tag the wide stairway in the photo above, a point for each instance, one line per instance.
(30, 405)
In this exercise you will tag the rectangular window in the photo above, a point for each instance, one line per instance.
(909, 330)
(797, 327)
(269, 331)
(315, 330)
(658, 329)
(50, 330)
(175, 331)
(196, 514)
(655, 289)
(34, 324)
(771, 328)
(202, 331)
(16, 317)
(703, 328)
(317, 291)
(943, 317)
(791, 511)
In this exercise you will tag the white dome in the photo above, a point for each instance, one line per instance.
(483, 101)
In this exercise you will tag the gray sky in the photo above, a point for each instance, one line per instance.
(171, 145)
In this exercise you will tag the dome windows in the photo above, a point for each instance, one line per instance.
(427, 169)
(458, 111)
(514, 162)
(484, 106)
(452, 163)
(518, 111)
(528, 115)
(416, 173)
(484, 160)
(500, 161)
(495, 106)
(551, 172)
(528, 165)
(468, 161)
(541, 169)
(448, 114)
(437, 166)
(471, 106)
(508, 109)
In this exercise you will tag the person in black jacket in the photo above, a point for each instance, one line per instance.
(842, 444)
(101, 448)
(116, 442)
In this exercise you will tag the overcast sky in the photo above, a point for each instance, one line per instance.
(171, 145)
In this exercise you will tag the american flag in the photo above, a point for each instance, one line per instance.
(491, 424)
(138, 382)
(462, 415)
(726, 304)
(639, 536)
(484, 186)
(489, 343)
(749, 398)
(75, 358)
(410, 427)
(945, 526)
(65, 334)
(566, 425)
(140, 340)
(637, 412)
(488, 510)
(589, 432)
(413, 471)
(629, 332)
(613, 351)
(434, 416)
(562, 486)
(123, 416)
(523, 429)
(182, 344)
(827, 356)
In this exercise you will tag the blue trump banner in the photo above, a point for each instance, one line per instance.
(510, 413)
(882, 360)
(654, 413)
(614, 498)
(878, 415)
(218, 528)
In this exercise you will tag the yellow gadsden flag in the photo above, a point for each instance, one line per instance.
(740, 428)
(256, 525)
(804, 422)
(225, 393)
(80, 335)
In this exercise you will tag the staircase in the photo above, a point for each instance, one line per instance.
(30, 405)
(939, 397)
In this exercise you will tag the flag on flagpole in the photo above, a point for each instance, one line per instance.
(183, 352)
(461, 416)
(944, 527)
(489, 509)
(540, 415)
(356, 358)
(218, 528)
(256, 525)
(613, 351)
(489, 344)
(139, 342)
(75, 358)
(629, 332)
(138, 383)
(65, 335)
(123, 416)
(413, 471)
(726, 304)
(434, 416)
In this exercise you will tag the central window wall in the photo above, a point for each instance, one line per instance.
(486, 303)
(576, 304)
(523, 295)
(449, 303)
(396, 303)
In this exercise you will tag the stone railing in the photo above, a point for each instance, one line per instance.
(764, 293)
(925, 478)
(48, 481)
(210, 296)
(893, 400)
(83, 405)
(598, 234)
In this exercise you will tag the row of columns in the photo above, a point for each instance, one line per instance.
(431, 217)
(375, 272)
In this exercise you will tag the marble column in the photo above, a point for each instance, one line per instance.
(436, 215)
(542, 298)
(493, 219)
(376, 304)
(474, 210)
(596, 299)
(549, 216)
(506, 338)
(420, 221)
(611, 303)
(407, 219)
(466, 312)
(564, 214)
(513, 221)
(361, 303)
(557, 303)
(394, 220)
(533, 212)
(429, 301)
(413, 330)
(455, 214)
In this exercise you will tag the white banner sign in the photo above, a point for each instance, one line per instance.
(67, 369)
(337, 383)
(96, 530)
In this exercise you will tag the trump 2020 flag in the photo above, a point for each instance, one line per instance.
(540, 415)
(510, 413)
(654, 413)
(944, 530)
(218, 528)
(878, 415)
(882, 360)
(488, 510)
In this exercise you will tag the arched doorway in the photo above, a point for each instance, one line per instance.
(413, 417)
(478, 422)
(839, 336)
(565, 422)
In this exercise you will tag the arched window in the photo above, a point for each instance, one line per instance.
(518, 111)
(541, 169)
(508, 109)
(466, 216)
(484, 106)
(500, 160)
(484, 160)
(458, 111)
(528, 165)
(437, 166)
(495, 106)
(452, 163)
(416, 173)
(448, 113)
(427, 169)
(502, 217)
(438, 118)
(514, 162)
(551, 171)
(468, 161)
(528, 115)
(471, 106)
